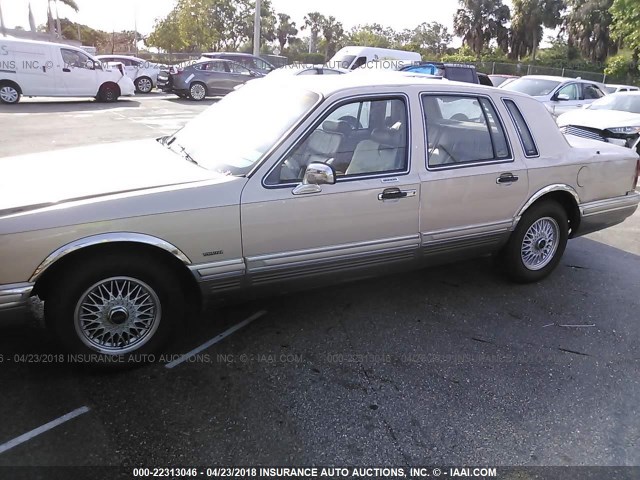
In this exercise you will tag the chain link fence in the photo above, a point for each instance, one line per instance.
(520, 69)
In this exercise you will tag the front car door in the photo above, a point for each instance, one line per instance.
(475, 180)
(78, 73)
(368, 218)
(239, 74)
(567, 97)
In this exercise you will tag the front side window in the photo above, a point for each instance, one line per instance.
(75, 59)
(352, 144)
(528, 144)
(463, 129)
(569, 92)
(238, 69)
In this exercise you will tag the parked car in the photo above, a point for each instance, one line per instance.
(305, 69)
(143, 73)
(326, 179)
(205, 79)
(253, 63)
(352, 58)
(558, 94)
(457, 72)
(613, 88)
(612, 119)
(499, 79)
(43, 69)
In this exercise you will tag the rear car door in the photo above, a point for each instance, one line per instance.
(475, 182)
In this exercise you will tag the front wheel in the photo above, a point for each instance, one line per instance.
(198, 91)
(108, 93)
(536, 246)
(114, 308)
(9, 94)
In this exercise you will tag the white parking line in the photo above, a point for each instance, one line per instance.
(44, 428)
(215, 340)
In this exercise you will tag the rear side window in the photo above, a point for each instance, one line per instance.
(528, 144)
(460, 74)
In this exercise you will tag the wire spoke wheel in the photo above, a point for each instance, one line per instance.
(540, 243)
(117, 315)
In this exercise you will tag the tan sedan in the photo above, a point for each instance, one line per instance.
(316, 179)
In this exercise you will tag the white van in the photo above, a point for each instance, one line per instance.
(351, 58)
(33, 69)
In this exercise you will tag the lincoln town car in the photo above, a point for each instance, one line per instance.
(311, 180)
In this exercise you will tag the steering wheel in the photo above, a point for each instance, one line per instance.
(460, 117)
(352, 121)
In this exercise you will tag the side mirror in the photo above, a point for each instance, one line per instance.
(316, 174)
(561, 97)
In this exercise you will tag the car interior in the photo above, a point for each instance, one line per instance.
(358, 138)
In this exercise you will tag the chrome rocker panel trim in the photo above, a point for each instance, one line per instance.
(15, 295)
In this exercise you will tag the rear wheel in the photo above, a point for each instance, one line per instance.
(536, 246)
(198, 91)
(114, 307)
(144, 85)
(9, 93)
(108, 93)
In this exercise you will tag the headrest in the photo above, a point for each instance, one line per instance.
(336, 126)
(388, 137)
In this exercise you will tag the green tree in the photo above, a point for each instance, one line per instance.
(166, 34)
(480, 21)
(268, 22)
(527, 22)
(588, 24)
(371, 35)
(626, 26)
(433, 38)
(286, 30)
(332, 31)
(313, 21)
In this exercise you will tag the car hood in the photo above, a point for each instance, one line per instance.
(38, 180)
(600, 119)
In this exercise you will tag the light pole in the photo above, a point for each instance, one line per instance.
(256, 30)
(3, 31)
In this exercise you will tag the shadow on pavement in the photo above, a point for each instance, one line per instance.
(67, 106)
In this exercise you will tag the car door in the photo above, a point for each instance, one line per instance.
(215, 75)
(239, 74)
(568, 97)
(368, 218)
(78, 74)
(475, 182)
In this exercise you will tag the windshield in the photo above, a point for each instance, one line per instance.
(341, 61)
(623, 103)
(234, 134)
(536, 87)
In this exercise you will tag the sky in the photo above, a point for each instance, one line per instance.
(120, 14)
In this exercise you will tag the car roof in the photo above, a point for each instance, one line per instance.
(126, 57)
(561, 79)
(633, 93)
(329, 85)
(617, 85)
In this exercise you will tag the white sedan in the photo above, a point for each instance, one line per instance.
(558, 94)
(612, 119)
(143, 73)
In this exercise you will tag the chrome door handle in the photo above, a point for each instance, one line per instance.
(506, 178)
(395, 194)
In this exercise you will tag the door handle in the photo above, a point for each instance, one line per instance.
(66, 70)
(506, 178)
(44, 69)
(395, 194)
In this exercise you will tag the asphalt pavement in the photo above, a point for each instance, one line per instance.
(446, 366)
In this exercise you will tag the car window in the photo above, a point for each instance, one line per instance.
(591, 92)
(460, 74)
(309, 71)
(238, 69)
(463, 129)
(528, 144)
(359, 62)
(569, 92)
(350, 148)
(75, 59)
(328, 71)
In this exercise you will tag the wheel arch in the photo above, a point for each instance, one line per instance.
(73, 253)
(12, 83)
(563, 194)
(110, 83)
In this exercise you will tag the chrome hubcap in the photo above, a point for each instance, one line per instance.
(117, 315)
(9, 94)
(198, 92)
(540, 243)
(144, 85)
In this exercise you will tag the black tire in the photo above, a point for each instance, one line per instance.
(108, 93)
(159, 301)
(551, 221)
(9, 93)
(197, 91)
(144, 85)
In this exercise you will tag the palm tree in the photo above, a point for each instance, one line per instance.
(285, 31)
(529, 16)
(69, 3)
(332, 31)
(479, 21)
(313, 21)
